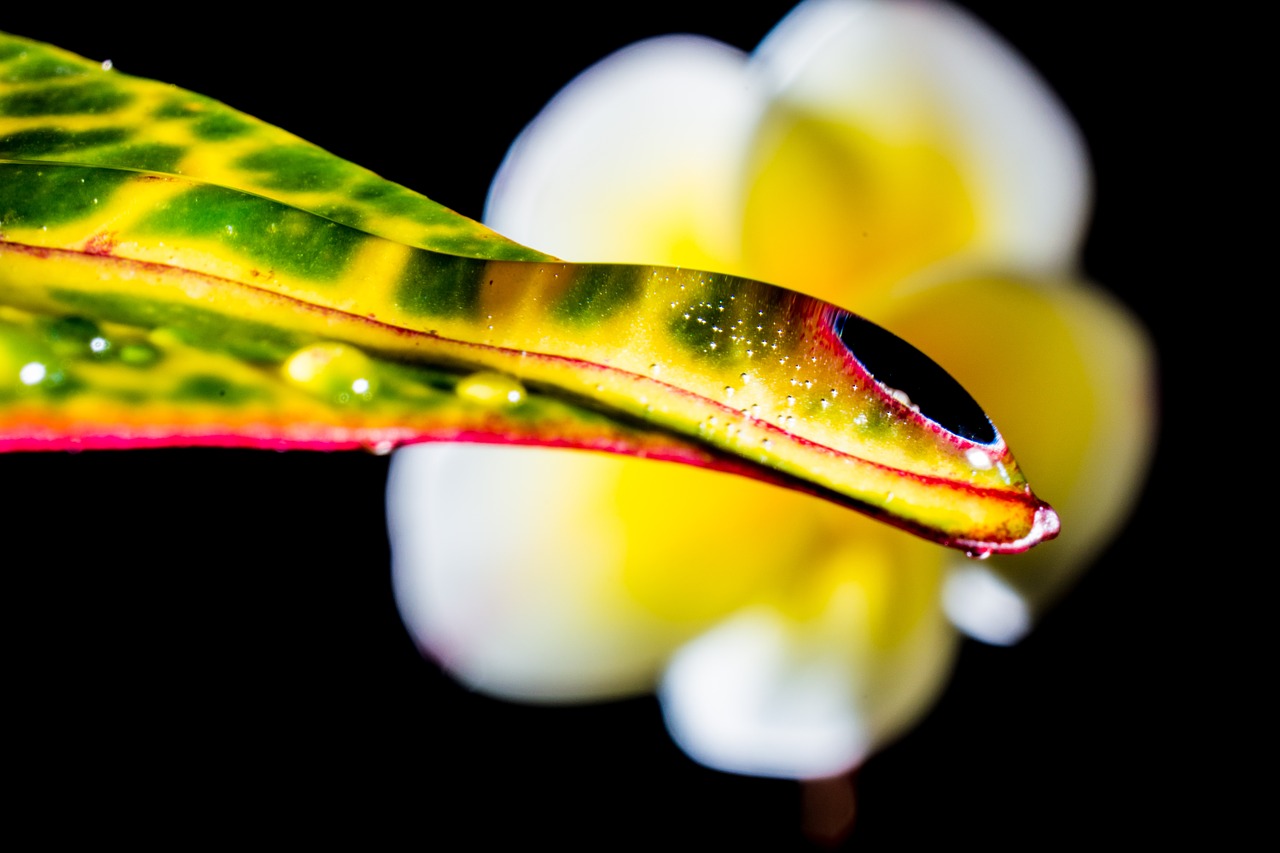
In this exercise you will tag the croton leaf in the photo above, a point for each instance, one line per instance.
(174, 272)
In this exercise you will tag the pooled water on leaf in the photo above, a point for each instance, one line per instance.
(336, 372)
(489, 388)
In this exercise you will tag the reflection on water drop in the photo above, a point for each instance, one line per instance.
(32, 373)
(337, 372)
(978, 458)
(489, 388)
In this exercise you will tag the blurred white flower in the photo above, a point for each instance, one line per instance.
(896, 159)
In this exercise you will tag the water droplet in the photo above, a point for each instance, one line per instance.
(382, 448)
(337, 372)
(746, 378)
(791, 401)
(99, 345)
(824, 402)
(139, 354)
(767, 443)
(902, 397)
(106, 65)
(655, 369)
(979, 458)
(728, 390)
(489, 388)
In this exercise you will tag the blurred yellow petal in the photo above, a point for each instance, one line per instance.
(843, 658)
(885, 157)
(954, 149)
(840, 213)
(1069, 376)
(506, 570)
(638, 159)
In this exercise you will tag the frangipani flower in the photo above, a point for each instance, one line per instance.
(898, 160)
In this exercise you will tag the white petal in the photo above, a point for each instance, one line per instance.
(641, 149)
(735, 700)
(464, 520)
(985, 607)
(764, 695)
(928, 69)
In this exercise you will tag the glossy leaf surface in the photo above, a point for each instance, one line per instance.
(176, 273)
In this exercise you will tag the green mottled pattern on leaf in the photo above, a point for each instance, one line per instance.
(174, 272)
(60, 107)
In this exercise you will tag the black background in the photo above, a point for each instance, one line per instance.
(210, 636)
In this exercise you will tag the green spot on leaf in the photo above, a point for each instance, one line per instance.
(10, 49)
(43, 141)
(139, 354)
(194, 326)
(40, 67)
(219, 126)
(598, 292)
(274, 235)
(297, 167)
(34, 196)
(440, 285)
(215, 389)
(151, 156)
(90, 98)
(188, 105)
